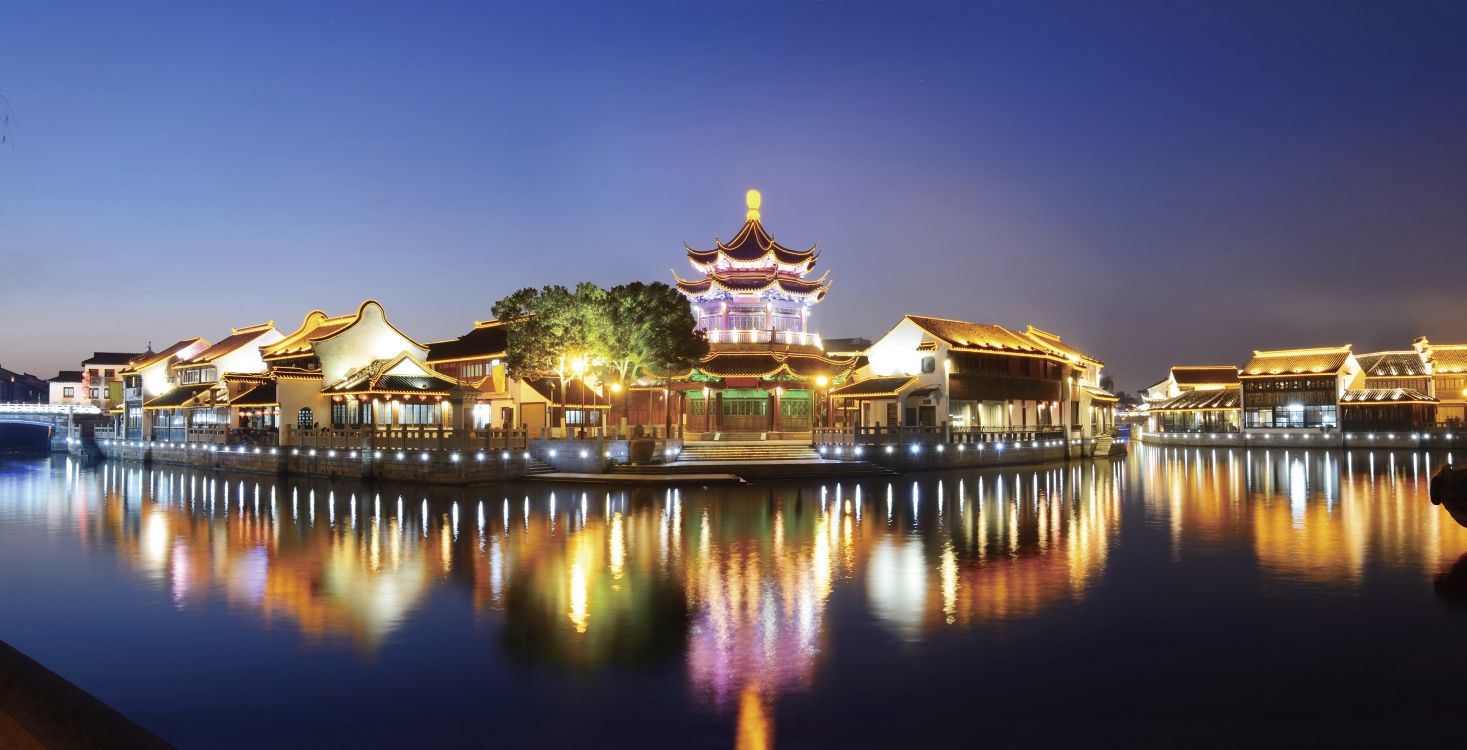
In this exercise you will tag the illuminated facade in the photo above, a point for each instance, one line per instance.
(766, 368)
(1196, 399)
(934, 374)
(146, 377)
(1448, 367)
(1316, 390)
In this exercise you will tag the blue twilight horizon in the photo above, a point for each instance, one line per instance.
(1158, 182)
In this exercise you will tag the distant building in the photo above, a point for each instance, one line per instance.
(102, 378)
(22, 387)
(1196, 399)
(1448, 366)
(68, 388)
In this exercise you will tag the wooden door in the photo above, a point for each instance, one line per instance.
(532, 416)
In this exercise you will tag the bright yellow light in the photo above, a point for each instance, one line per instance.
(752, 200)
(578, 365)
(822, 381)
(616, 387)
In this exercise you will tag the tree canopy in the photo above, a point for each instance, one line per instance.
(623, 333)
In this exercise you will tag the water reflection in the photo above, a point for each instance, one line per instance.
(1317, 516)
(739, 590)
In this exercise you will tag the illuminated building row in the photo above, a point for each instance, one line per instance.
(1327, 388)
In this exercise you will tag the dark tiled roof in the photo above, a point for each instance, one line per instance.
(236, 339)
(767, 364)
(846, 345)
(1052, 341)
(1195, 375)
(1297, 361)
(110, 358)
(1371, 396)
(873, 387)
(1392, 364)
(577, 393)
(145, 359)
(263, 394)
(750, 244)
(966, 335)
(179, 396)
(68, 376)
(379, 377)
(487, 340)
(1449, 359)
(1223, 398)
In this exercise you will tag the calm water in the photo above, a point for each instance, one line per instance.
(1261, 593)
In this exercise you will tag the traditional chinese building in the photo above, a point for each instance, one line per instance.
(495, 400)
(1198, 398)
(766, 368)
(1448, 366)
(950, 376)
(1296, 388)
(353, 371)
(204, 383)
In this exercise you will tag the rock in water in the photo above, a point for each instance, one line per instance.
(1449, 490)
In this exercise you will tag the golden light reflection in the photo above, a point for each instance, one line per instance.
(737, 584)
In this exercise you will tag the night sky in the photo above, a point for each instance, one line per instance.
(1160, 184)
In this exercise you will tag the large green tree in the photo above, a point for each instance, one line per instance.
(631, 330)
(550, 324)
(652, 330)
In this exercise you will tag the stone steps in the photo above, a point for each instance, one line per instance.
(747, 452)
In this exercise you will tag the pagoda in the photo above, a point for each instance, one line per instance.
(766, 370)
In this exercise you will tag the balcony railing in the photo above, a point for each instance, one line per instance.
(717, 336)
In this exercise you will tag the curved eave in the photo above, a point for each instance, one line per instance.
(797, 288)
(752, 243)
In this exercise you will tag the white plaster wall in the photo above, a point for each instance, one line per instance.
(78, 393)
(369, 338)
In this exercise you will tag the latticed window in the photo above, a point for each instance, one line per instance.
(305, 418)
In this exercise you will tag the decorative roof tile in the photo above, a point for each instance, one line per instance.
(1386, 396)
(874, 387)
(1206, 400)
(1325, 360)
(486, 341)
(1201, 375)
(1392, 364)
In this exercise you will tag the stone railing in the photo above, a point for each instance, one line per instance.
(406, 438)
(882, 435)
(214, 433)
(25, 407)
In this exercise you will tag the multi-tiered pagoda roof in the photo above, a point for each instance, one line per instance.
(753, 263)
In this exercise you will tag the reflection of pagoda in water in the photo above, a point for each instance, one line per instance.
(737, 586)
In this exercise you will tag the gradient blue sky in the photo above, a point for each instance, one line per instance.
(1159, 182)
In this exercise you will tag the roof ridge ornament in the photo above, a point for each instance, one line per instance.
(752, 199)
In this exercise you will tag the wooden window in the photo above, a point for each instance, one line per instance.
(305, 418)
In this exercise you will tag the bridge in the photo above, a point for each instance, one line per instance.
(57, 419)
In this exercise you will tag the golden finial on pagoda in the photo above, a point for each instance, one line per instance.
(751, 199)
